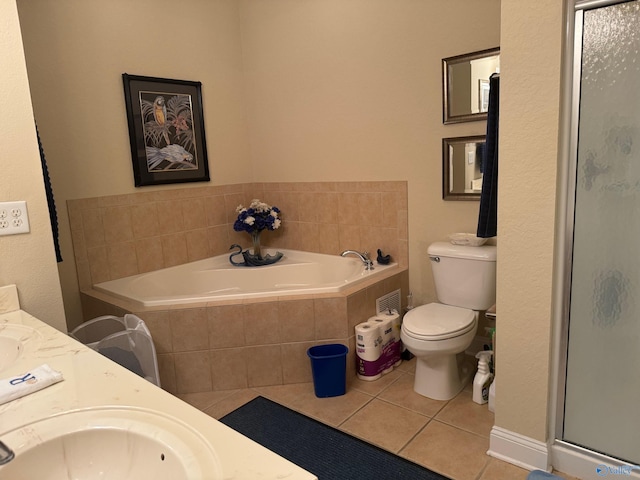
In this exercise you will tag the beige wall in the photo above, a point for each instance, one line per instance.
(27, 260)
(307, 90)
(77, 51)
(529, 119)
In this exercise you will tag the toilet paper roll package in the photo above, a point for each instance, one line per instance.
(392, 345)
(368, 351)
(378, 346)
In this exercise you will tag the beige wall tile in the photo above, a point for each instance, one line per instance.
(93, 229)
(159, 324)
(117, 225)
(170, 218)
(327, 203)
(349, 237)
(308, 205)
(219, 241)
(389, 204)
(193, 213)
(215, 210)
(331, 318)
(296, 365)
(307, 238)
(84, 275)
(174, 249)
(228, 369)
(329, 239)
(261, 323)
(75, 215)
(149, 254)
(122, 259)
(403, 223)
(297, 322)
(167, 371)
(264, 365)
(231, 202)
(99, 264)
(79, 246)
(358, 309)
(189, 329)
(291, 207)
(369, 208)
(348, 209)
(197, 244)
(226, 326)
(193, 372)
(114, 200)
(144, 219)
(93, 308)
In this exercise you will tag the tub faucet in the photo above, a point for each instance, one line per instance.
(6, 454)
(364, 256)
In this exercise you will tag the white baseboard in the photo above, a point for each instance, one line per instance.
(519, 450)
(582, 463)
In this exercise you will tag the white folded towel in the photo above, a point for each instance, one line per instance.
(32, 381)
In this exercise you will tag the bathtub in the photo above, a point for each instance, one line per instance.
(212, 279)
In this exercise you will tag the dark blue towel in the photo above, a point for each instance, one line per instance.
(53, 215)
(488, 217)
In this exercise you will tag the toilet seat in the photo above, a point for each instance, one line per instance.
(436, 321)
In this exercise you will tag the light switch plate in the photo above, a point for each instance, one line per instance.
(14, 218)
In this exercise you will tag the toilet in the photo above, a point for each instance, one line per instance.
(465, 281)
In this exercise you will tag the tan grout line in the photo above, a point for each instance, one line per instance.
(371, 399)
(486, 465)
(414, 436)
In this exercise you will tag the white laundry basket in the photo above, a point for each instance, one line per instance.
(125, 340)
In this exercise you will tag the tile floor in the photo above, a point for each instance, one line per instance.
(450, 437)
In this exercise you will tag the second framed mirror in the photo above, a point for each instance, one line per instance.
(462, 167)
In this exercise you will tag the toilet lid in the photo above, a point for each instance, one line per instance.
(436, 321)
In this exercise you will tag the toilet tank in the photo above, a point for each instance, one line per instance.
(464, 276)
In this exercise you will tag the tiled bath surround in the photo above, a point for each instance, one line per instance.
(228, 345)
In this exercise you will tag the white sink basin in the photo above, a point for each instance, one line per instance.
(109, 443)
(15, 341)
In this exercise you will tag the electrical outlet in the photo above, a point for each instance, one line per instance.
(14, 218)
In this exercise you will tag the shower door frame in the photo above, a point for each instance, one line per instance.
(565, 456)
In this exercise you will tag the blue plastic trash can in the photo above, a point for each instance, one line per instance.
(329, 369)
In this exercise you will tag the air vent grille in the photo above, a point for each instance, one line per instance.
(390, 301)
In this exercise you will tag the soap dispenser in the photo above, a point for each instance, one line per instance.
(483, 378)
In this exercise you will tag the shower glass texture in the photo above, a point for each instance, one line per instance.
(602, 396)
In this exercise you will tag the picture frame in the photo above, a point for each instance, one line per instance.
(166, 130)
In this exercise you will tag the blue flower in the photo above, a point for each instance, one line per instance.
(257, 217)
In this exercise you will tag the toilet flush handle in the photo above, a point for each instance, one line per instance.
(435, 259)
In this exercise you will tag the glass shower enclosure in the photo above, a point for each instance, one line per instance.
(602, 381)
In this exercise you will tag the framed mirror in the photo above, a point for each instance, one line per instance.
(462, 167)
(465, 85)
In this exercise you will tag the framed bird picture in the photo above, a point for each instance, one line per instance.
(166, 130)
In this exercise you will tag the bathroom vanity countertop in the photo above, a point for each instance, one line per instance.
(91, 380)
